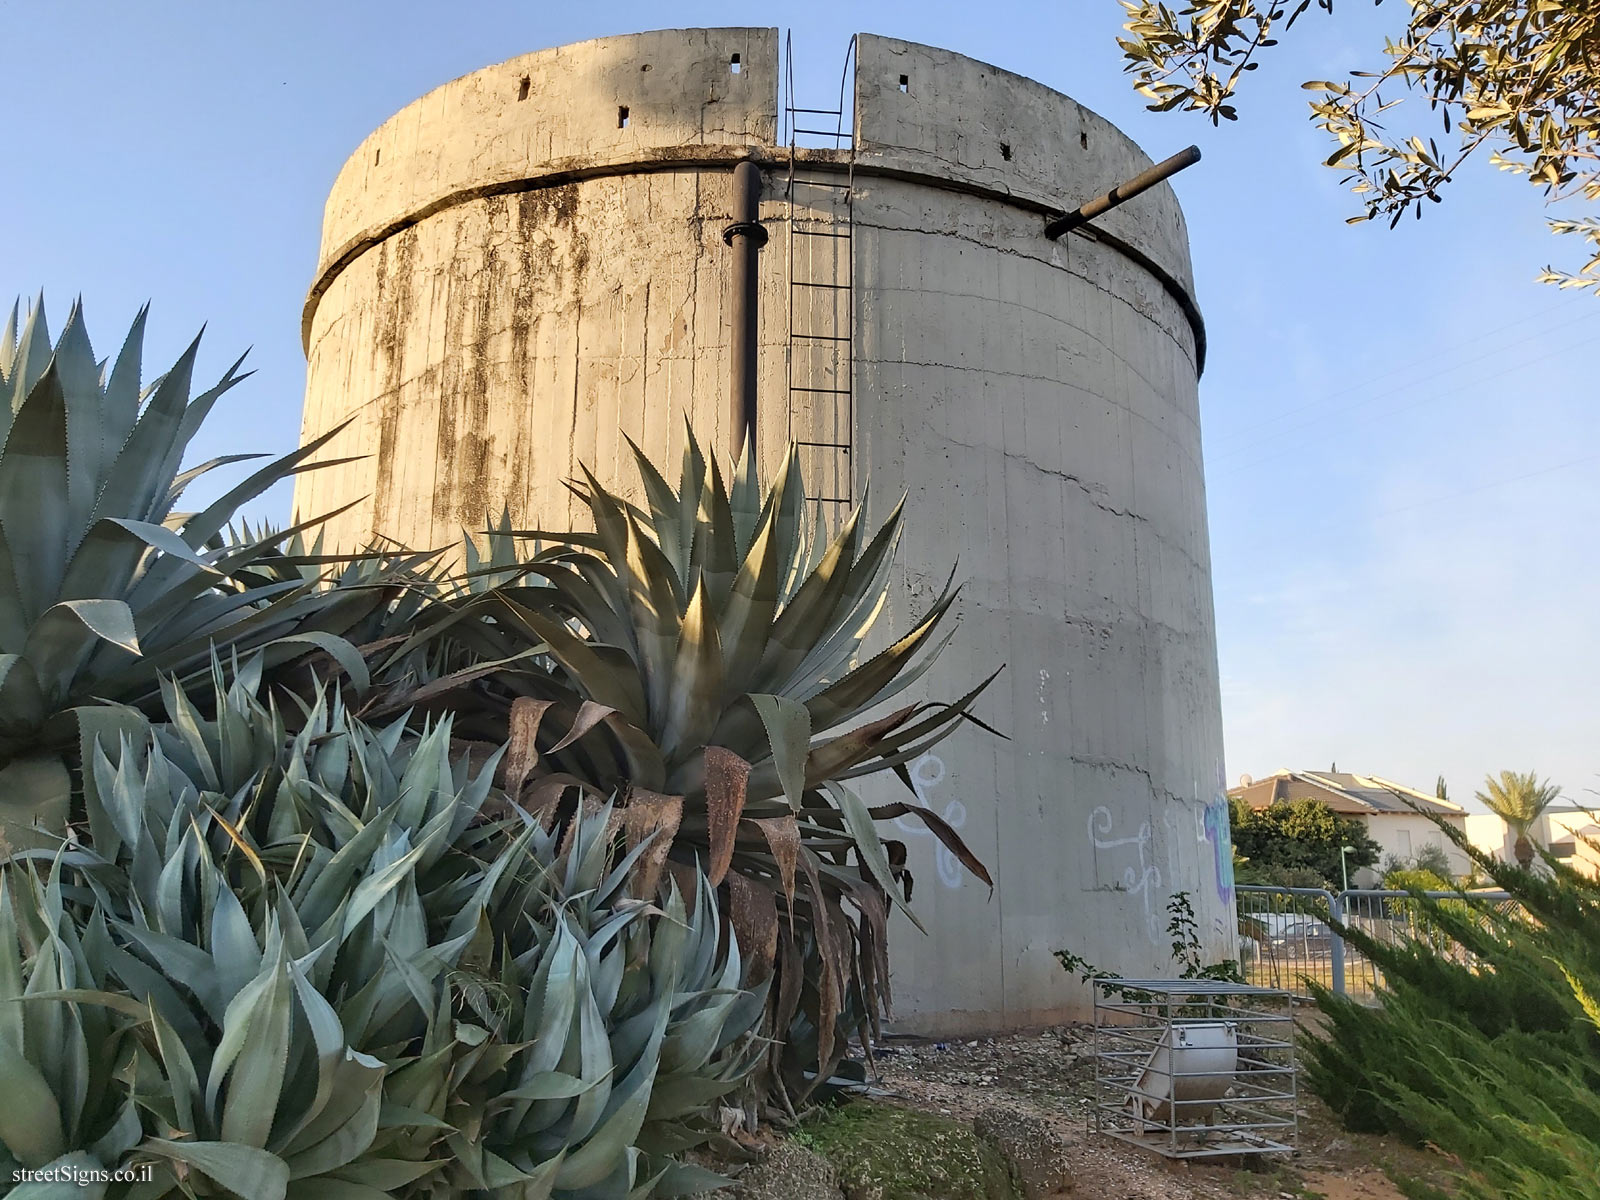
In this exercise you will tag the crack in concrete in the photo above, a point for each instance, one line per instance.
(1193, 460)
(999, 247)
(1092, 491)
(1111, 764)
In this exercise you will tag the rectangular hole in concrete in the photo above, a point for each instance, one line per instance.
(733, 65)
(905, 83)
(522, 88)
(377, 157)
(622, 116)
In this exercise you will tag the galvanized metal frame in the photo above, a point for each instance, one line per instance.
(1134, 1018)
(1361, 908)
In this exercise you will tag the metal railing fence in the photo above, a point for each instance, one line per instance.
(1285, 937)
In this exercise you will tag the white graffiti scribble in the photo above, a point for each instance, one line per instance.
(1141, 880)
(928, 772)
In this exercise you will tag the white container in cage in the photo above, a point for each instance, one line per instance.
(1195, 1068)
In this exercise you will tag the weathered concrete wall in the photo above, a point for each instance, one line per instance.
(511, 280)
(531, 281)
(488, 349)
(1038, 401)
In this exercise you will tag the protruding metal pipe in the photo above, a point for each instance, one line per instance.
(746, 236)
(1141, 182)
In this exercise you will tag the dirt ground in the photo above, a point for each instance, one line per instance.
(1050, 1076)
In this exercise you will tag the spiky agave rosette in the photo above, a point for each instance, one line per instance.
(705, 660)
(104, 586)
(312, 964)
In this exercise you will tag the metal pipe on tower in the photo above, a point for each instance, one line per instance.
(745, 236)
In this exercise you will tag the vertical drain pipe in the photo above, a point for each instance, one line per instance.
(746, 236)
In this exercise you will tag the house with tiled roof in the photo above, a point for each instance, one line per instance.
(1395, 816)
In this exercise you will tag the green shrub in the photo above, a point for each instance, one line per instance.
(1486, 1042)
(1297, 843)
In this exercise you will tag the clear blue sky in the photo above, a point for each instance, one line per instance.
(1402, 434)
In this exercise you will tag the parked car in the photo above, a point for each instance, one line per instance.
(1305, 934)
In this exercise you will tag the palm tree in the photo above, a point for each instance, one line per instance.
(1518, 800)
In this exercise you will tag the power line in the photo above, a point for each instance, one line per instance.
(1489, 485)
(1428, 399)
(1484, 487)
(1422, 362)
(1237, 450)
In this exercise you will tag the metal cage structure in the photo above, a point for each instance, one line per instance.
(1195, 1068)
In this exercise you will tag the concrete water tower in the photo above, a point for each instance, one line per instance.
(529, 262)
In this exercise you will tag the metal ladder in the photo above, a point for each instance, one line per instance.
(821, 319)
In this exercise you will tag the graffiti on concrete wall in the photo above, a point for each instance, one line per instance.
(927, 773)
(1139, 877)
(1217, 833)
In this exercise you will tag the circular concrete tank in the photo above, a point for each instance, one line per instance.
(528, 263)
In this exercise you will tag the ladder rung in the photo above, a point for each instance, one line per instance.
(837, 287)
(830, 500)
(833, 133)
(822, 112)
(822, 337)
(824, 183)
(823, 391)
(845, 446)
(819, 233)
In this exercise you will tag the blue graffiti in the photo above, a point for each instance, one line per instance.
(1221, 839)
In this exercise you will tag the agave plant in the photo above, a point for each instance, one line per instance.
(707, 662)
(257, 900)
(103, 585)
(331, 973)
(609, 1029)
(63, 1063)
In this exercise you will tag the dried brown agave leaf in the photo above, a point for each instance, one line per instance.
(522, 750)
(590, 714)
(649, 813)
(783, 838)
(828, 986)
(941, 829)
(543, 797)
(727, 777)
(753, 912)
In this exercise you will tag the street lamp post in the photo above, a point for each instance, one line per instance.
(1344, 867)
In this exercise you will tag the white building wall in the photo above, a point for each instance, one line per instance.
(1493, 836)
(1402, 835)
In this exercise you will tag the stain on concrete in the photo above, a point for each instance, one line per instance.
(539, 282)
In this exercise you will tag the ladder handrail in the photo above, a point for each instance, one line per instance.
(840, 212)
(844, 76)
